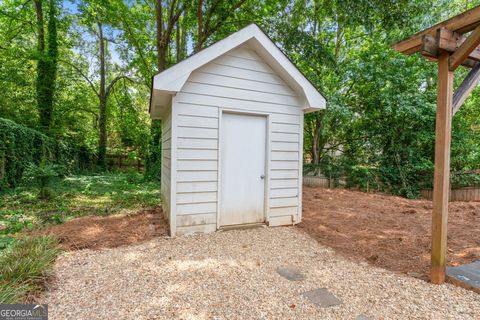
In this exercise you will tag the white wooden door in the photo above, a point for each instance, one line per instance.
(242, 177)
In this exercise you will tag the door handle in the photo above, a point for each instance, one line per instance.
(262, 176)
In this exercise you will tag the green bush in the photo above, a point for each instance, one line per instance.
(25, 266)
(465, 179)
(21, 146)
(42, 176)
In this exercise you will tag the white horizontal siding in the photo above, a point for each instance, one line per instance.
(247, 84)
(196, 197)
(197, 122)
(196, 175)
(237, 104)
(166, 168)
(241, 74)
(283, 193)
(197, 165)
(196, 220)
(196, 208)
(241, 81)
(239, 94)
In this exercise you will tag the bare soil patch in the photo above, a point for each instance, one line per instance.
(95, 232)
(389, 232)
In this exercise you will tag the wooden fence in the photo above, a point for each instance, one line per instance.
(122, 163)
(316, 181)
(462, 194)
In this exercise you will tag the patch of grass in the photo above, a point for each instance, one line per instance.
(72, 197)
(24, 267)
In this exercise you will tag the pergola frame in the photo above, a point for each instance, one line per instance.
(447, 44)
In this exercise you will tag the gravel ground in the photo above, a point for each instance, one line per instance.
(231, 275)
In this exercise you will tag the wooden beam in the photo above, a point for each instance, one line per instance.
(450, 41)
(431, 47)
(469, 83)
(441, 184)
(463, 52)
(461, 24)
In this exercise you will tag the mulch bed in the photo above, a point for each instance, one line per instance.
(389, 232)
(95, 232)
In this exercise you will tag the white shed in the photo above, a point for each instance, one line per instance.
(232, 135)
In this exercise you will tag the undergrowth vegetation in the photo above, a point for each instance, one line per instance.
(74, 196)
(25, 261)
(25, 266)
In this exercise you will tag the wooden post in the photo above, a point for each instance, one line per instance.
(441, 184)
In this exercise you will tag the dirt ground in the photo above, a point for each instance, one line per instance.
(95, 232)
(389, 232)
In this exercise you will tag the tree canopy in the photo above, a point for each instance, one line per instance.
(80, 71)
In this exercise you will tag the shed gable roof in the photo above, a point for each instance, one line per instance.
(170, 81)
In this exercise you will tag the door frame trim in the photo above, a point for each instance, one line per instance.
(266, 201)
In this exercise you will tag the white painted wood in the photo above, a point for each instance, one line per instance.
(197, 154)
(196, 175)
(173, 178)
(245, 105)
(172, 80)
(284, 174)
(197, 122)
(283, 165)
(197, 186)
(283, 193)
(197, 165)
(286, 118)
(284, 211)
(285, 146)
(196, 220)
(284, 202)
(190, 108)
(239, 94)
(166, 168)
(284, 183)
(298, 218)
(247, 64)
(198, 168)
(285, 155)
(225, 81)
(197, 143)
(195, 208)
(196, 197)
(243, 149)
(189, 132)
(285, 137)
(241, 74)
(285, 128)
(193, 229)
(280, 221)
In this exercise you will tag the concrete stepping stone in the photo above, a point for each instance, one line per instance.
(468, 274)
(291, 273)
(362, 317)
(322, 298)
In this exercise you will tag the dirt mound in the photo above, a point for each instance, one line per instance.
(94, 232)
(389, 232)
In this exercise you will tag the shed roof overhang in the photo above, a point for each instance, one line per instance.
(170, 81)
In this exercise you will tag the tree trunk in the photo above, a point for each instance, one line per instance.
(40, 28)
(161, 41)
(153, 161)
(47, 63)
(199, 43)
(102, 119)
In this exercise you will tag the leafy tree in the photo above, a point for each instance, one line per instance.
(47, 62)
